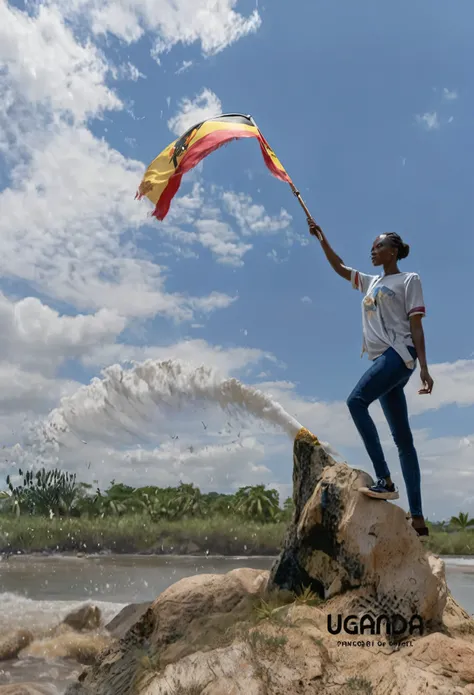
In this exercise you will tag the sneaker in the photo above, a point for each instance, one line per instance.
(381, 491)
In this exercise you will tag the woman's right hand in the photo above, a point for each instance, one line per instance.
(315, 230)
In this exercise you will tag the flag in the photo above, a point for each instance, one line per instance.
(163, 177)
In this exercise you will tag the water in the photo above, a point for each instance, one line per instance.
(122, 401)
(38, 592)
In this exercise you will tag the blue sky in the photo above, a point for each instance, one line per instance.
(368, 106)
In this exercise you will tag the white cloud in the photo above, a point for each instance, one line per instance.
(213, 23)
(449, 95)
(195, 352)
(128, 71)
(454, 385)
(210, 466)
(48, 66)
(193, 111)
(80, 194)
(430, 121)
(224, 243)
(306, 300)
(273, 256)
(252, 218)
(185, 65)
(24, 391)
(39, 338)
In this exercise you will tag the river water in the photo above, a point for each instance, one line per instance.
(38, 592)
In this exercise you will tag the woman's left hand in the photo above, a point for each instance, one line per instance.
(426, 380)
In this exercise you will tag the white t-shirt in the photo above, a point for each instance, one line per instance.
(389, 302)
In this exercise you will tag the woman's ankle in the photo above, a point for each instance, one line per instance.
(418, 520)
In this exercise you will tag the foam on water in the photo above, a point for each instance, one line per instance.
(19, 612)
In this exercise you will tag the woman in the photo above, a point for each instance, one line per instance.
(392, 311)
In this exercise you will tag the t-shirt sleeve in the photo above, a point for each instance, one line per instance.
(415, 304)
(361, 281)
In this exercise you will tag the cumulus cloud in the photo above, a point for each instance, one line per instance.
(215, 24)
(195, 352)
(49, 66)
(253, 218)
(191, 111)
(36, 336)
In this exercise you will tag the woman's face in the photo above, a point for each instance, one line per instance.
(382, 251)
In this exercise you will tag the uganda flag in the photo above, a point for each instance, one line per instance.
(163, 177)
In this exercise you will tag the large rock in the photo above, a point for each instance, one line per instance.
(13, 642)
(340, 540)
(173, 626)
(205, 635)
(84, 619)
(128, 616)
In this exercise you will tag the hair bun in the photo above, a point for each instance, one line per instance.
(403, 251)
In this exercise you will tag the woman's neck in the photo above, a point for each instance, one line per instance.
(391, 270)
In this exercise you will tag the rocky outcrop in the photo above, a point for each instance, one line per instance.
(128, 616)
(340, 540)
(173, 627)
(84, 619)
(274, 647)
(13, 642)
(347, 561)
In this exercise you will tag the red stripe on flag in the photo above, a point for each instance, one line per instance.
(279, 173)
(205, 146)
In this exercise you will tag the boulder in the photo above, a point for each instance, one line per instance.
(127, 617)
(264, 633)
(84, 619)
(340, 540)
(13, 642)
(173, 627)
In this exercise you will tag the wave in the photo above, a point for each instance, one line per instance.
(20, 612)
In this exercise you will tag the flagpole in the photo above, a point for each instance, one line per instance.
(295, 191)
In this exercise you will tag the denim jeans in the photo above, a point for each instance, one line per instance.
(385, 381)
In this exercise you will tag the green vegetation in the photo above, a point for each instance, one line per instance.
(52, 511)
(359, 685)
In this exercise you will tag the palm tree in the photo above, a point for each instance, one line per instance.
(189, 501)
(257, 503)
(462, 522)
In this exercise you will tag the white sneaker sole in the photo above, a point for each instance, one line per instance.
(379, 495)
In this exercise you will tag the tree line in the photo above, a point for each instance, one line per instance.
(57, 493)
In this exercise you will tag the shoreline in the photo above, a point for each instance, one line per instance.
(462, 564)
(136, 535)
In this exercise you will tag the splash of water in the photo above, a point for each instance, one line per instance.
(121, 399)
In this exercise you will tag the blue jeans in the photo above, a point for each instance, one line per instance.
(385, 381)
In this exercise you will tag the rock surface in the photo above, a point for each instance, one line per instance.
(173, 626)
(12, 644)
(127, 617)
(84, 619)
(340, 540)
(27, 689)
(259, 633)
